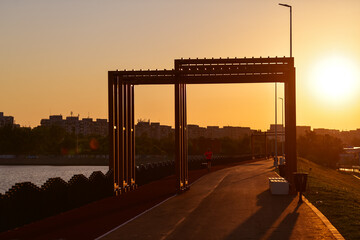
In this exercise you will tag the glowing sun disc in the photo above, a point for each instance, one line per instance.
(335, 79)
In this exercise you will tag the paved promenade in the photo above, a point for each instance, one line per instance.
(232, 203)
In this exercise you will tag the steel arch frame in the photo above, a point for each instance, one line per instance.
(190, 71)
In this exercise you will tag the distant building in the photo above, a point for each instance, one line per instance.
(350, 157)
(280, 132)
(324, 131)
(6, 120)
(195, 131)
(153, 130)
(279, 128)
(348, 137)
(213, 132)
(302, 130)
(228, 131)
(101, 126)
(72, 124)
(53, 120)
(157, 131)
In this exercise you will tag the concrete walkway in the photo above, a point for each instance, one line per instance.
(233, 203)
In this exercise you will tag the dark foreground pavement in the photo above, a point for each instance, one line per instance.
(232, 203)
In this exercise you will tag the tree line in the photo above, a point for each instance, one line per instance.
(146, 145)
(54, 140)
(322, 149)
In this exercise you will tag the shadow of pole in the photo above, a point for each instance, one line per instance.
(256, 226)
(285, 228)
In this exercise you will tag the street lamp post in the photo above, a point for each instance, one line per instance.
(289, 6)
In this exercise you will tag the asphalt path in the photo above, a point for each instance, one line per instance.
(232, 203)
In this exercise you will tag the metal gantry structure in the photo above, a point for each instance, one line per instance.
(264, 136)
(190, 71)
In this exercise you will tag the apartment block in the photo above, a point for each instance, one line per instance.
(6, 120)
(73, 124)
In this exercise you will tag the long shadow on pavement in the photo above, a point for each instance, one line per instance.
(262, 221)
(285, 228)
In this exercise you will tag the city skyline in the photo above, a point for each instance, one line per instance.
(56, 57)
(270, 127)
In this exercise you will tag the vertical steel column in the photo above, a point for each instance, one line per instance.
(181, 147)
(121, 133)
(111, 80)
(117, 131)
(181, 135)
(132, 150)
(178, 164)
(126, 135)
(290, 124)
(130, 137)
(121, 140)
(185, 137)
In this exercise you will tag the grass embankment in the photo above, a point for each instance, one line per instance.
(336, 195)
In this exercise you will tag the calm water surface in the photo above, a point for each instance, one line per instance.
(9, 175)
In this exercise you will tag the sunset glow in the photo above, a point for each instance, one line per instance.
(335, 79)
(55, 57)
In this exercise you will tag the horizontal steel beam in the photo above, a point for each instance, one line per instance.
(221, 79)
(207, 71)
(266, 68)
(209, 79)
(276, 60)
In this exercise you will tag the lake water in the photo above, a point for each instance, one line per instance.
(9, 175)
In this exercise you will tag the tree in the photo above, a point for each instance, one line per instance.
(322, 149)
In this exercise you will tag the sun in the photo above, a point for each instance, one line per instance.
(334, 79)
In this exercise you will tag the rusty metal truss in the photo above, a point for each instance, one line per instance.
(190, 71)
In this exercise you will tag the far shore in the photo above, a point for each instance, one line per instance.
(55, 161)
(72, 160)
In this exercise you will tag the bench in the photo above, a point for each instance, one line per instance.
(278, 186)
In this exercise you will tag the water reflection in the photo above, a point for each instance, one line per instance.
(9, 175)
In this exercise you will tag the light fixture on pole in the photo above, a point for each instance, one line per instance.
(289, 6)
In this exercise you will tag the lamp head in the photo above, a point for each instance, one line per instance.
(284, 5)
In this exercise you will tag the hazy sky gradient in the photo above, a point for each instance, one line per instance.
(54, 57)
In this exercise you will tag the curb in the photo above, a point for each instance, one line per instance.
(326, 221)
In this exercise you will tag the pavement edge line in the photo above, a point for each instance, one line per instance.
(114, 229)
(326, 221)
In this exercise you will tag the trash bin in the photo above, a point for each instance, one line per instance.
(282, 170)
(300, 180)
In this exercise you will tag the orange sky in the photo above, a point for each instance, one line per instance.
(54, 57)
